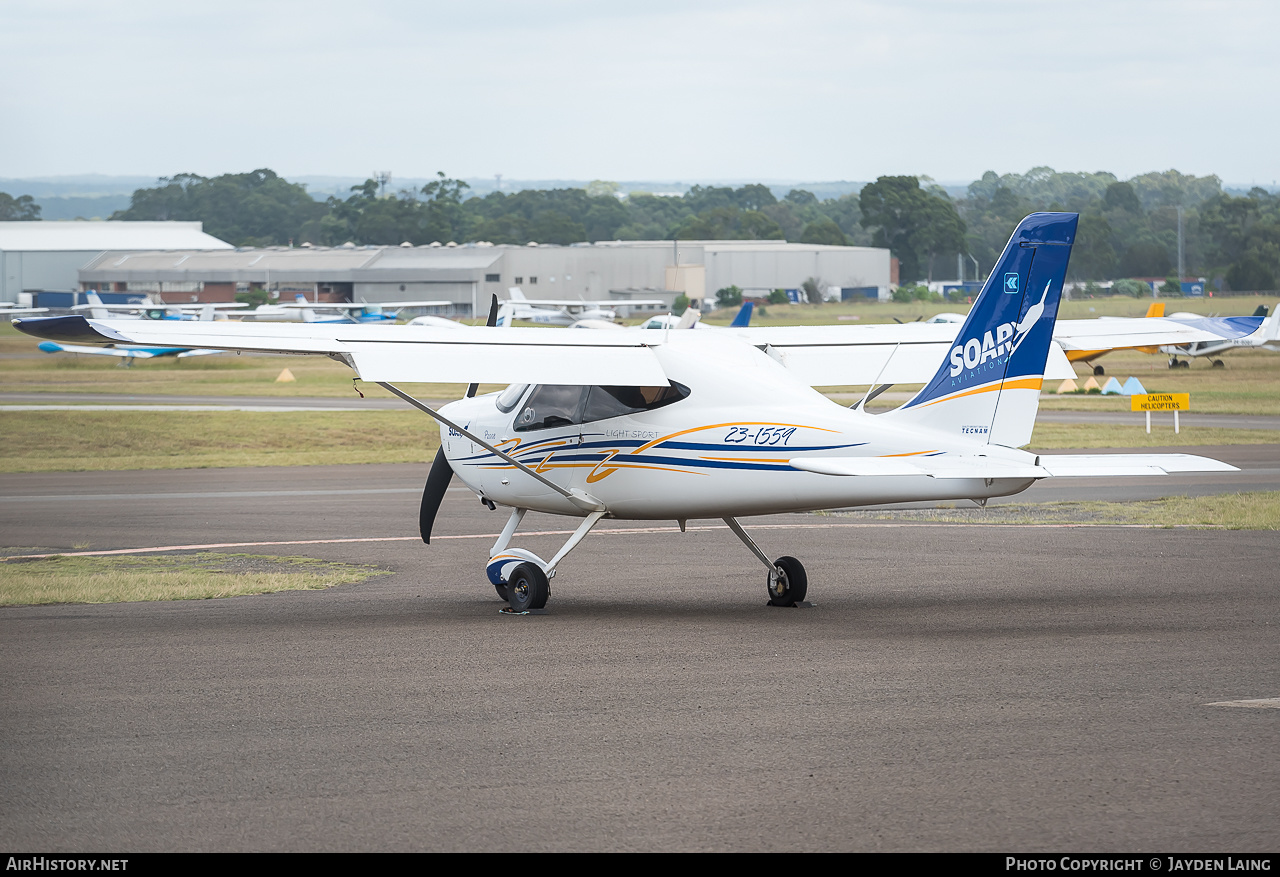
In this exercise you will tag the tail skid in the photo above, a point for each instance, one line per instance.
(988, 388)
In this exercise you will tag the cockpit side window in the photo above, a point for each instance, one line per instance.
(550, 405)
(606, 402)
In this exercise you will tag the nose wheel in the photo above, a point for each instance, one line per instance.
(788, 583)
(527, 588)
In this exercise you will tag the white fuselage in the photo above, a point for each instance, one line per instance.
(723, 451)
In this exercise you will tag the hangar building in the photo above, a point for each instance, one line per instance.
(467, 275)
(45, 257)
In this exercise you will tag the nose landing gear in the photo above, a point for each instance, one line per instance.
(522, 578)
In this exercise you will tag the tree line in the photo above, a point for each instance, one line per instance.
(1128, 228)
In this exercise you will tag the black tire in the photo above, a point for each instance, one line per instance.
(1173, 363)
(502, 593)
(528, 588)
(788, 583)
(1217, 363)
(1099, 370)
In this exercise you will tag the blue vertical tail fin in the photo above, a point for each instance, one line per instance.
(988, 386)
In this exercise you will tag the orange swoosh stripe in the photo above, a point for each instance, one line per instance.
(1019, 384)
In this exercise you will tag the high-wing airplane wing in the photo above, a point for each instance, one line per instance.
(419, 354)
(816, 355)
(892, 353)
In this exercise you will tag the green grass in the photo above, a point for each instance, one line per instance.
(53, 441)
(1050, 436)
(1233, 511)
(201, 576)
(864, 312)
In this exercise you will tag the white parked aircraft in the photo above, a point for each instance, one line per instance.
(1263, 337)
(11, 309)
(302, 311)
(152, 310)
(126, 353)
(646, 425)
(561, 312)
(438, 322)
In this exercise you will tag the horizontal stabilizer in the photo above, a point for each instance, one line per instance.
(1056, 466)
(934, 467)
(1078, 465)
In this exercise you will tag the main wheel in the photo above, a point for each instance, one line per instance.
(502, 593)
(788, 582)
(1217, 363)
(528, 588)
(1099, 370)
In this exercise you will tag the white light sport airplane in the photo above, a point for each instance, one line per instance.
(692, 319)
(561, 312)
(126, 353)
(646, 425)
(151, 310)
(11, 309)
(302, 311)
(1264, 337)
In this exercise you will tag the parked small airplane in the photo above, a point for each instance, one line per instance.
(126, 353)
(301, 310)
(1155, 309)
(438, 322)
(669, 321)
(11, 309)
(1264, 337)
(561, 312)
(150, 310)
(1218, 335)
(685, 425)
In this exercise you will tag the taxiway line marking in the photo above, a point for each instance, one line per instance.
(1272, 703)
(618, 531)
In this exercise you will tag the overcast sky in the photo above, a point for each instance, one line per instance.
(774, 91)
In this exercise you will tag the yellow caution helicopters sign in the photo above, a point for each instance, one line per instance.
(1160, 402)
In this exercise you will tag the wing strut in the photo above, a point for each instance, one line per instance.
(580, 498)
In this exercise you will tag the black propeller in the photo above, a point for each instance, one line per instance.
(441, 472)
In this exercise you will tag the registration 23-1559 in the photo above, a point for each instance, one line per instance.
(759, 435)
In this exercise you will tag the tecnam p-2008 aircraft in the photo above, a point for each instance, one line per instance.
(647, 425)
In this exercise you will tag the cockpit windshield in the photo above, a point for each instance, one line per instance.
(510, 397)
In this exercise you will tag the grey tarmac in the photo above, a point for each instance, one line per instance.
(952, 688)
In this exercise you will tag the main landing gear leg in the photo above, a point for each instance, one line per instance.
(521, 577)
(788, 582)
(504, 539)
